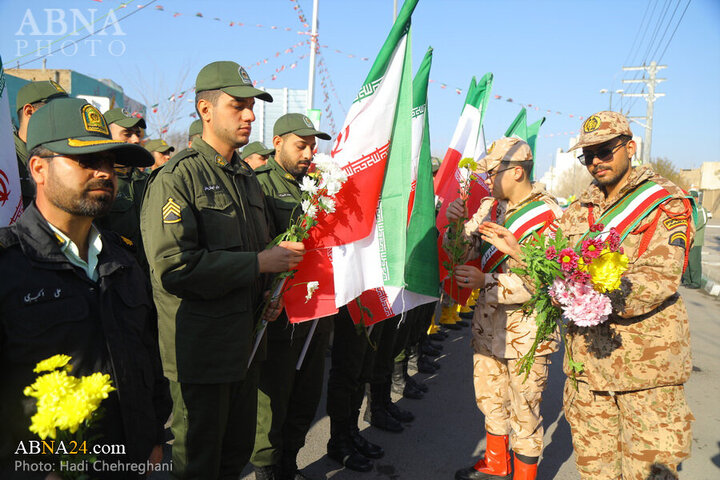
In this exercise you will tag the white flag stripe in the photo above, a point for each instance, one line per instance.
(628, 210)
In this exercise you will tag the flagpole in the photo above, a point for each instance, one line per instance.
(394, 10)
(313, 48)
(298, 366)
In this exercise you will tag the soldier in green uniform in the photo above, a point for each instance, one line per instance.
(29, 98)
(124, 215)
(195, 130)
(287, 398)
(205, 224)
(256, 154)
(160, 150)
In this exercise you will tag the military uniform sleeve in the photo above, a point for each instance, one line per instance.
(181, 264)
(655, 276)
(505, 288)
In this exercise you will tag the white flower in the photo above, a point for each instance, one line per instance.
(311, 287)
(327, 204)
(308, 185)
(324, 162)
(309, 209)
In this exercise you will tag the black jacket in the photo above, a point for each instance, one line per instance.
(49, 306)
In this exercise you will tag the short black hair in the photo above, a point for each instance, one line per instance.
(207, 95)
(35, 105)
(38, 151)
(527, 166)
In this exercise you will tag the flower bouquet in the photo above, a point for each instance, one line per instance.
(457, 245)
(572, 287)
(66, 408)
(319, 189)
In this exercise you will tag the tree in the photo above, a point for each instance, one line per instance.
(665, 168)
(572, 182)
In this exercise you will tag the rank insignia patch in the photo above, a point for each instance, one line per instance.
(171, 212)
(678, 239)
(671, 223)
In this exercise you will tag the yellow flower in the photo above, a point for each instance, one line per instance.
(607, 269)
(52, 363)
(96, 387)
(51, 386)
(73, 410)
(468, 163)
(43, 423)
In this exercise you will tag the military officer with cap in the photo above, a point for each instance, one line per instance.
(194, 131)
(628, 414)
(76, 290)
(287, 398)
(206, 225)
(30, 98)
(160, 150)
(124, 216)
(256, 154)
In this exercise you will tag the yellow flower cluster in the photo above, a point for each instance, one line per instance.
(606, 270)
(64, 401)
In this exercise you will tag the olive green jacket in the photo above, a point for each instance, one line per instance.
(203, 221)
(27, 187)
(124, 215)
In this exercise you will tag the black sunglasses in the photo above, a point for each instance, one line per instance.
(492, 174)
(605, 152)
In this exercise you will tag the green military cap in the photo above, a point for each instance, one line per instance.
(71, 126)
(256, 147)
(120, 116)
(195, 128)
(159, 145)
(229, 77)
(39, 92)
(298, 124)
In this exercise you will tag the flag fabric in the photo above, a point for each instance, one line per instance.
(410, 276)
(10, 195)
(467, 142)
(518, 127)
(532, 132)
(361, 149)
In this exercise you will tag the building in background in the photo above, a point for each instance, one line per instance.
(103, 93)
(285, 100)
(706, 180)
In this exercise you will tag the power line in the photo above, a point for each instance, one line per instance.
(666, 27)
(673, 34)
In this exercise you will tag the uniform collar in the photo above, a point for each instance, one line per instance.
(595, 195)
(72, 253)
(20, 147)
(274, 165)
(235, 165)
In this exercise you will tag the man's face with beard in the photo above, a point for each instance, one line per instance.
(611, 161)
(81, 185)
(294, 153)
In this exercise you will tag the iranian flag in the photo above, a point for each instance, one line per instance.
(379, 113)
(467, 142)
(401, 260)
(10, 195)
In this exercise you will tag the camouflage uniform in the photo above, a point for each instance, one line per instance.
(629, 416)
(502, 335)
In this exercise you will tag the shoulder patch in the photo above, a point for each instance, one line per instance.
(171, 212)
(671, 223)
(678, 239)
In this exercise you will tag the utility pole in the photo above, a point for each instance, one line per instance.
(605, 90)
(313, 48)
(649, 97)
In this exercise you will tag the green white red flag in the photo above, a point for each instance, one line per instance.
(10, 195)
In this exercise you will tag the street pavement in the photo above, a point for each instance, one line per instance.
(711, 257)
(448, 431)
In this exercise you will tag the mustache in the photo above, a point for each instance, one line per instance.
(100, 183)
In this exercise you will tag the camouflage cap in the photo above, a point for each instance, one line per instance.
(506, 149)
(158, 145)
(298, 124)
(256, 147)
(71, 126)
(39, 92)
(229, 77)
(601, 127)
(195, 128)
(122, 117)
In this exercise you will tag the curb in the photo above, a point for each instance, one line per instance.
(710, 286)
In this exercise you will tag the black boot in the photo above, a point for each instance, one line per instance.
(399, 414)
(428, 349)
(427, 366)
(362, 445)
(340, 448)
(266, 473)
(379, 415)
(412, 392)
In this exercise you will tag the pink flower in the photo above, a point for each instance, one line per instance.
(613, 240)
(591, 248)
(580, 277)
(568, 259)
(560, 292)
(551, 253)
(589, 309)
(598, 227)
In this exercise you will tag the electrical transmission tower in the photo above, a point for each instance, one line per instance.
(649, 97)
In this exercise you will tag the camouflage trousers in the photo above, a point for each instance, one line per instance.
(510, 406)
(636, 435)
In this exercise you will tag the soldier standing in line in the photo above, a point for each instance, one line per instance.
(160, 151)
(628, 416)
(256, 154)
(501, 333)
(287, 398)
(30, 97)
(124, 216)
(195, 130)
(206, 224)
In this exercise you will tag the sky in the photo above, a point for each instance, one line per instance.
(552, 54)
